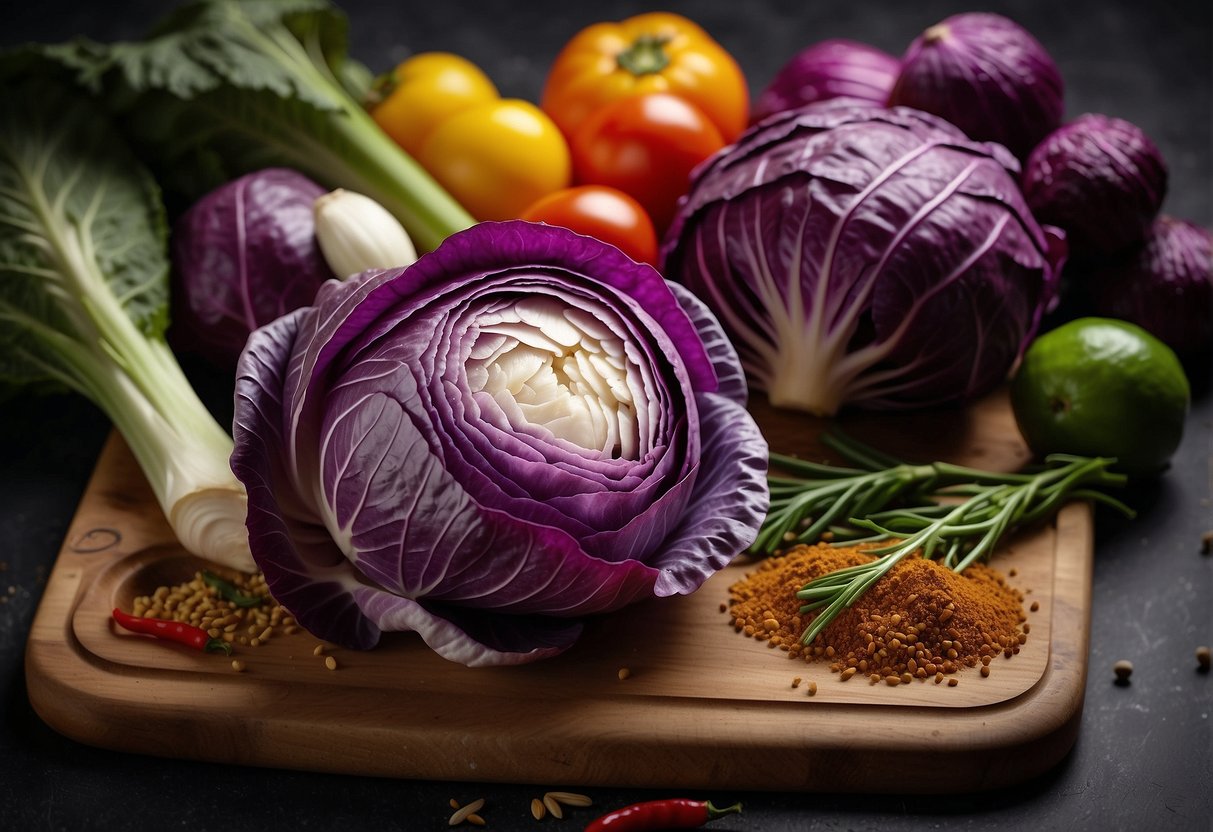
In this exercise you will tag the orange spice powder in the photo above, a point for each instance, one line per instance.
(920, 621)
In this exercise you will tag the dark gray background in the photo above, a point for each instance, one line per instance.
(1142, 759)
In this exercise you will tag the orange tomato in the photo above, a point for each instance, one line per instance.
(645, 146)
(605, 213)
(652, 52)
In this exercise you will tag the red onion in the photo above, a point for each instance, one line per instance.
(1098, 178)
(987, 75)
(1165, 286)
(837, 68)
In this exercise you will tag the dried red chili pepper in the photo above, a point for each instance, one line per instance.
(176, 631)
(661, 814)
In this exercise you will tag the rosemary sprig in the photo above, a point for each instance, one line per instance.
(881, 498)
(959, 533)
(812, 498)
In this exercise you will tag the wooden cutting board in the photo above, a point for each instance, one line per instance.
(703, 707)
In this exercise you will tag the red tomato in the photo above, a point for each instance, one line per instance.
(646, 146)
(598, 211)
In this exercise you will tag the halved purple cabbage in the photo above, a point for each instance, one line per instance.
(835, 68)
(408, 466)
(1100, 179)
(243, 255)
(987, 75)
(865, 256)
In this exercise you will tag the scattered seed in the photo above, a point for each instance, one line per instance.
(953, 682)
(475, 819)
(553, 807)
(318, 650)
(570, 798)
(624, 673)
(330, 663)
(1123, 670)
(237, 665)
(812, 689)
(538, 810)
(1035, 606)
(1206, 542)
(1202, 659)
(796, 682)
(454, 804)
(985, 670)
(847, 673)
(463, 813)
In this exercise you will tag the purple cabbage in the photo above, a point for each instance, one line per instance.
(837, 68)
(1165, 286)
(492, 443)
(987, 75)
(243, 255)
(865, 256)
(1100, 179)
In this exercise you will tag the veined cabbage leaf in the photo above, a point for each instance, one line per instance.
(83, 299)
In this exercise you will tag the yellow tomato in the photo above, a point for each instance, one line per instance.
(426, 90)
(497, 158)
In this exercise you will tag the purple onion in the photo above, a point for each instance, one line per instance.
(244, 255)
(837, 68)
(1165, 286)
(1098, 178)
(987, 75)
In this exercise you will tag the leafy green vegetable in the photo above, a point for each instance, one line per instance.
(230, 592)
(862, 505)
(83, 298)
(221, 88)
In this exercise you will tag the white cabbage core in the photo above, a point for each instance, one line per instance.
(551, 366)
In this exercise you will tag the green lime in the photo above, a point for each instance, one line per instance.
(1102, 387)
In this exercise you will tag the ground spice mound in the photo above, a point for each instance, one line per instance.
(920, 621)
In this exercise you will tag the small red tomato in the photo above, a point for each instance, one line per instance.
(646, 146)
(603, 212)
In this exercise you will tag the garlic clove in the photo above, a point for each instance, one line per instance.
(356, 233)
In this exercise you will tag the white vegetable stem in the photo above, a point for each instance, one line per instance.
(137, 381)
(356, 233)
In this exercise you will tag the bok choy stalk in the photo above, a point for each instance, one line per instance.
(83, 300)
(222, 88)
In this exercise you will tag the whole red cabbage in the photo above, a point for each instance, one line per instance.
(987, 75)
(1098, 178)
(522, 428)
(866, 256)
(836, 68)
(1165, 286)
(243, 255)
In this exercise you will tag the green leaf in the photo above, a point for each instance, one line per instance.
(76, 209)
(84, 289)
(222, 88)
